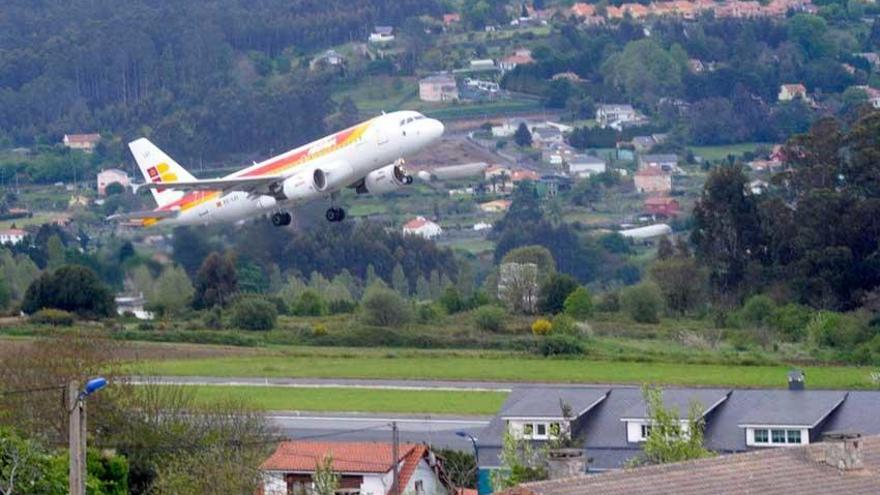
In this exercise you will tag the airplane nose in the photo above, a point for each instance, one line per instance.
(435, 129)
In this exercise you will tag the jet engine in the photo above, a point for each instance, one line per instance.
(386, 179)
(304, 186)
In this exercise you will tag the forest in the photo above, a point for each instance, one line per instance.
(207, 80)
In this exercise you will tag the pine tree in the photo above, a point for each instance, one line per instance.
(522, 137)
(399, 281)
(423, 288)
(436, 288)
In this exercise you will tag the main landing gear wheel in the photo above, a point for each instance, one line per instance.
(281, 219)
(335, 214)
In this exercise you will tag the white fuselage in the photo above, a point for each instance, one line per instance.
(345, 158)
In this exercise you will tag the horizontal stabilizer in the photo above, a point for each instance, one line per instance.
(256, 185)
(143, 215)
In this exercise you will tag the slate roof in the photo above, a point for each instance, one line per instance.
(604, 434)
(681, 399)
(780, 471)
(545, 402)
(792, 407)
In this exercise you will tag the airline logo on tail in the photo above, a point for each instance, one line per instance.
(161, 173)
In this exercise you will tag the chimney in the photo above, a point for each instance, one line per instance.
(840, 449)
(796, 380)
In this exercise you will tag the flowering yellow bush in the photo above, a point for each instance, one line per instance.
(319, 329)
(542, 327)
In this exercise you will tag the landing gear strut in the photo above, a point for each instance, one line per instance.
(281, 218)
(335, 214)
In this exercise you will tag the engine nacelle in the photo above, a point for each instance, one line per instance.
(304, 186)
(386, 179)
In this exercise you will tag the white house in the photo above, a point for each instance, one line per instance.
(647, 232)
(84, 142)
(585, 165)
(134, 305)
(111, 176)
(615, 115)
(364, 468)
(382, 34)
(422, 227)
(439, 87)
(788, 92)
(11, 236)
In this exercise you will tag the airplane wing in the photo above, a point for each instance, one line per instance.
(245, 184)
(142, 215)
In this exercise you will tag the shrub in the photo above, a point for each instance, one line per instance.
(253, 313)
(213, 318)
(757, 310)
(490, 318)
(427, 312)
(555, 291)
(319, 329)
(384, 307)
(339, 306)
(560, 345)
(564, 324)
(642, 302)
(71, 288)
(54, 317)
(542, 327)
(829, 329)
(451, 300)
(309, 303)
(791, 321)
(609, 302)
(579, 304)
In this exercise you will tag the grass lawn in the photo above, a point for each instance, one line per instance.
(473, 246)
(362, 363)
(355, 399)
(713, 153)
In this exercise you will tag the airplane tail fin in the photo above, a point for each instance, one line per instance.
(158, 167)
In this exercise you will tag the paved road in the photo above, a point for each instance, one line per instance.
(436, 430)
(330, 382)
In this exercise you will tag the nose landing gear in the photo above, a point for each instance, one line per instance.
(335, 214)
(281, 218)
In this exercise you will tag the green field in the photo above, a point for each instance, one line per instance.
(356, 399)
(504, 367)
(713, 153)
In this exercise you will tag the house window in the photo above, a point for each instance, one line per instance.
(528, 429)
(555, 430)
(794, 436)
(762, 436)
(778, 436)
(646, 431)
(420, 487)
(542, 430)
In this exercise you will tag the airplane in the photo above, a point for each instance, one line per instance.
(367, 157)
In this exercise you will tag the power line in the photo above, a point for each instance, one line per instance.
(30, 390)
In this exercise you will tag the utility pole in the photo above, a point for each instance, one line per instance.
(395, 453)
(77, 439)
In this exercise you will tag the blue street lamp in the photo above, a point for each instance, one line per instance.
(93, 386)
(473, 439)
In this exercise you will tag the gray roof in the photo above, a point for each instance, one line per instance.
(604, 434)
(792, 407)
(543, 402)
(585, 160)
(680, 400)
(660, 158)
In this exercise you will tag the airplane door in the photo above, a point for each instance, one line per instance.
(381, 135)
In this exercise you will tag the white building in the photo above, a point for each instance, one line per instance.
(382, 34)
(615, 115)
(363, 468)
(585, 165)
(422, 227)
(11, 236)
(647, 232)
(439, 87)
(111, 176)
(134, 305)
(84, 142)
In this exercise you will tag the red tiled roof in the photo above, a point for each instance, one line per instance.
(348, 457)
(12, 232)
(417, 223)
(518, 175)
(649, 171)
(82, 138)
(659, 201)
